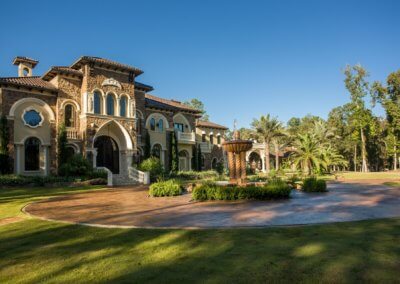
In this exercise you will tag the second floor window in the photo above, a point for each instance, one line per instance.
(211, 139)
(97, 103)
(203, 137)
(110, 104)
(152, 124)
(69, 119)
(219, 139)
(161, 125)
(122, 106)
(178, 126)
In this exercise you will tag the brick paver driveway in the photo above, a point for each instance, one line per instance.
(131, 207)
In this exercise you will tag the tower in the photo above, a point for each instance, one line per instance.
(25, 65)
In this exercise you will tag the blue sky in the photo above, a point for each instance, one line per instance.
(241, 58)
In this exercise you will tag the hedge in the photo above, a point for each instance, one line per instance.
(194, 175)
(312, 184)
(165, 188)
(276, 189)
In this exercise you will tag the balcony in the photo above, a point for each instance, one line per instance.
(72, 134)
(206, 147)
(186, 137)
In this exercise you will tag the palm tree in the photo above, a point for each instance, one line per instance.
(267, 128)
(307, 153)
(280, 141)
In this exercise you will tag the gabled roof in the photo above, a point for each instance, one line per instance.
(164, 104)
(106, 62)
(209, 124)
(144, 87)
(29, 82)
(61, 70)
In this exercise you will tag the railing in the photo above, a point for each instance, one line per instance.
(206, 147)
(185, 137)
(109, 175)
(72, 134)
(142, 177)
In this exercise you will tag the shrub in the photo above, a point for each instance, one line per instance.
(77, 165)
(312, 184)
(166, 188)
(5, 164)
(194, 175)
(276, 189)
(154, 167)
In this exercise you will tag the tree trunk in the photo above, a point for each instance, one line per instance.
(355, 157)
(364, 167)
(267, 166)
(395, 158)
(276, 146)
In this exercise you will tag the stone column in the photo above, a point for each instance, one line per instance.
(104, 105)
(243, 167)
(94, 152)
(117, 111)
(238, 166)
(46, 162)
(17, 162)
(232, 167)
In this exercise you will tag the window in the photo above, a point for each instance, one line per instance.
(69, 117)
(32, 158)
(160, 125)
(152, 124)
(178, 126)
(97, 103)
(156, 151)
(110, 104)
(32, 118)
(122, 106)
(211, 138)
(219, 139)
(203, 137)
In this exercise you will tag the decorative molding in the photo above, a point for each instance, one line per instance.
(32, 109)
(111, 82)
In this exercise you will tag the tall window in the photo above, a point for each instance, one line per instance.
(97, 103)
(32, 157)
(160, 125)
(156, 151)
(203, 137)
(219, 139)
(122, 106)
(211, 138)
(69, 116)
(152, 124)
(110, 104)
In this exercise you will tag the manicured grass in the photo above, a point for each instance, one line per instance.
(38, 251)
(371, 175)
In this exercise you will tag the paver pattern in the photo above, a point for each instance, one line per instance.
(131, 207)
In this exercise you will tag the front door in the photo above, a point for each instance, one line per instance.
(107, 153)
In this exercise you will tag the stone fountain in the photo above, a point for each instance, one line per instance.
(236, 150)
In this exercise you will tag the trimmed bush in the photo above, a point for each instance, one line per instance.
(312, 184)
(154, 167)
(77, 165)
(276, 189)
(194, 175)
(165, 188)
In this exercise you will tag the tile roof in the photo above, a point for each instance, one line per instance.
(29, 82)
(107, 62)
(209, 124)
(156, 102)
(145, 87)
(19, 59)
(54, 70)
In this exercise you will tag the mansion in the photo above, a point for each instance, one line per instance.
(108, 116)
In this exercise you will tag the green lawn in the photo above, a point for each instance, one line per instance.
(38, 251)
(370, 175)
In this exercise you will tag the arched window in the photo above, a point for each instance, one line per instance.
(211, 138)
(219, 139)
(156, 151)
(203, 137)
(32, 157)
(69, 116)
(97, 103)
(160, 125)
(152, 124)
(110, 104)
(122, 106)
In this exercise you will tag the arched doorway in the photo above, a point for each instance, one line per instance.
(214, 163)
(184, 160)
(107, 153)
(255, 162)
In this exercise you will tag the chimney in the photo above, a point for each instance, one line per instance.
(25, 65)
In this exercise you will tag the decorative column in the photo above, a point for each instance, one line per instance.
(243, 167)
(117, 111)
(17, 163)
(232, 167)
(94, 152)
(238, 166)
(104, 105)
(46, 163)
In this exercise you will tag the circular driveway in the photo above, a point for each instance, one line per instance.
(131, 207)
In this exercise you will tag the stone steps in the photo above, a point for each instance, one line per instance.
(119, 179)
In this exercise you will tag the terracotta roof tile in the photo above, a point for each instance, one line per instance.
(30, 82)
(60, 69)
(99, 60)
(209, 124)
(153, 101)
(19, 59)
(145, 87)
